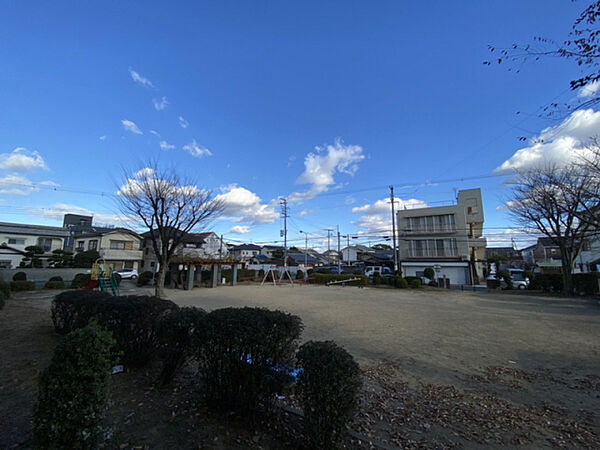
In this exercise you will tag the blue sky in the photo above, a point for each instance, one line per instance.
(325, 103)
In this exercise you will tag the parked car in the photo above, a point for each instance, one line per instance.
(381, 271)
(125, 274)
(518, 278)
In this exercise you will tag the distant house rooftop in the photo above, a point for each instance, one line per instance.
(40, 230)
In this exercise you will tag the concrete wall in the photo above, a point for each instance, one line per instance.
(40, 276)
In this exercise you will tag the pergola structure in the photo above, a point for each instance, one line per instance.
(193, 264)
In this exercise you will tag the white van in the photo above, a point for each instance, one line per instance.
(381, 271)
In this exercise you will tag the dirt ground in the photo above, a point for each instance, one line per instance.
(441, 369)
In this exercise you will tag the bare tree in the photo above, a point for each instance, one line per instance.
(170, 207)
(581, 46)
(553, 200)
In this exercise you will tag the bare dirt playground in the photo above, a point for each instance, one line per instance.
(441, 369)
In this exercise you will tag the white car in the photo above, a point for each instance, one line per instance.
(131, 274)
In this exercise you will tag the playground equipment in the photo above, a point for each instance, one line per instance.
(105, 276)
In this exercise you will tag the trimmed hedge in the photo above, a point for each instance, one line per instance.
(176, 332)
(329, 385)
(19, 276)
(56, 278)
(238, 348)
(550, 282)
(80, 280)
(50, 284)
(586, 283)
(324, 278)
(21, 285)
(131, 320)
(5, 288)
(414, 282)
(72, 391)
(74, 309)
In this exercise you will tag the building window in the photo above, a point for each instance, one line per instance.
(151, 263)
(432, 224)
(80, 245)
(15, 241)
(433, 248)
(45, 243)
(5, 264)
(93, 244)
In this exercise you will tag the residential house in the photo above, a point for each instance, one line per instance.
(272, 251)
(527, 254)
(117, 246)
(206, 245)
(446, 238)
(331, 256)
(589, 258)
(245, 252)
(15, 237)
(356, 253)
(547, 256)
(514, 258)
(306, 260)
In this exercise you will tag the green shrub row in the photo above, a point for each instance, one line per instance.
(244, 355)
(80, 280)
(395, 281)
(324, 278)
(72, 391)
(4, 292)
(586, 283)
(21, 285)
(550, 282)
(131, 320)
(414, 282)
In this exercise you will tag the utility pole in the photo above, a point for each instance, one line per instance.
(339, 254)
(329, 230)
(284, 211)
(305, 251)
(394, 230)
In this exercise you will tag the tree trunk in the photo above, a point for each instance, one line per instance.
(567, 270)
(160, 282)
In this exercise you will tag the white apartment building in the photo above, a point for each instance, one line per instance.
(118, 246)
(445, 238)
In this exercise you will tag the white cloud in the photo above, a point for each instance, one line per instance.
(148, 177)
(183, 123)
(145, 172)
(22, 160)
(509, 238)
(242, 205)
(321, 165)
(240, 229)
(141, 80)
(102, 138)
(49, 184)
(160, 104)
(130, 126)
(155, 133)
(374, 223)
(589, 90)
(164, 145)
(378, 216)
(558, 145)
(16, 185)
(384, 206)
(57, 212)
(304, 212)
(196, 150)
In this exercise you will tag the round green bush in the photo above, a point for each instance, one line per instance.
(55, 278)
(429, 273)
(80, 280)
(54, 284)
(329, 386)
(20, 276)
(145, 278)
